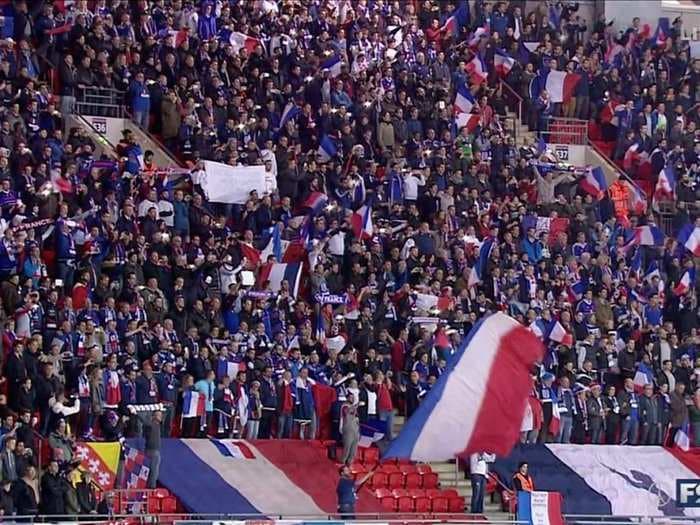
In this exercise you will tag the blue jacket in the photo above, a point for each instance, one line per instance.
(304, 406)
(181, 220)
(139, 97)
(65, 246)
(533, 249)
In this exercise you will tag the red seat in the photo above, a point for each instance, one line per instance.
(389, 468)
(380, 479)
(370, 455)
(153, 505)
(421, 504)
(424, 468)
(397, 493)
(396, 480)
(439, 504)
(161, 493)
(388, 503)
(430, 480)
(168, 505)
(449, 493)
(382, 493)
(405, 504)
(358, 470)
(407, 468)
(455, 504)
(413, 480)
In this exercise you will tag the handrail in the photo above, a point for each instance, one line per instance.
(518, 99)
(102, 137)
(173, 158)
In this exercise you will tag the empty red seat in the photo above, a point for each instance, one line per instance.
(491, 485)
(388, 503)
(389, 468)
(357, 470)
(413, 480)
(380, 479)
(161, 493)
(455, 504)
(449, 493)
(430, 480)
(407, 468)
(153, 505)
(382, 493)
(424, 468)
(168, 505)
(439, 504)
(397, 493)
(405, 504)
(396, 480)
(421, 504)
(370, 455)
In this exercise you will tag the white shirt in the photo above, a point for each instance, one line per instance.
(478, 463)
(410, 186)
(166, 206)
(145, 206)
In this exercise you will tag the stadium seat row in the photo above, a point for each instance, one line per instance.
(420, 500)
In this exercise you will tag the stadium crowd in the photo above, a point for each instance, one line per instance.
(123, 290)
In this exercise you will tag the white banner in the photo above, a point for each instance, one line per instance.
(233, 184)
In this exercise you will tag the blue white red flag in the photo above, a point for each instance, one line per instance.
(478, 404)
(594, 182)
(540, 508)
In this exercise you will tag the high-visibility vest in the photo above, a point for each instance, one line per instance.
(525, 482)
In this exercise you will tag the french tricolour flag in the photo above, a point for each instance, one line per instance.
(540, 508)
(663, 29)
(477, 70)
(316, 202)
(648, 236)
(643, 376)
(178, 36)
(229, 368)
(689, 237)
(193, 404)
(556, 332)
(275, 273)
(479, 269)
(486, 385)
(233, 448)
(479, 33)
(666, 184)
(637, 198)
(686, 283)
(361, 222)
(458, 19)
(371, 432)
(594, 182)
(467, 120)
(503, 62)
(464, 101)
(291, 110)
(333, 64)
(559, 84)
(242, 41)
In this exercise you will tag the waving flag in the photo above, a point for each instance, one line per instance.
(503, 62)
(594, 182)
(179, 36)
(242, 41)
(636, 157)
(316, 201)
(479, 33)
(275, 246)
(642, 376)
(101, 459)
(637, 199)
(470, 121)
(320, 330)
(648, 236)
(556, 332)
(479, 270)
(665, 186)
(457, 20)
(361, 222)
(477, 70)
(291, 111)
(553, 226)
(136, 468)
(275, 273)
(193, 404)
(333, 64)
(464, 100)
(226, 368)
(372, 431)
(663, 30)
(689, 238)
(487, 384)
(251, 253)
(559, 84)
(326, 149)
(686, 283)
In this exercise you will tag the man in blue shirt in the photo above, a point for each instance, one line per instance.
(347, 496)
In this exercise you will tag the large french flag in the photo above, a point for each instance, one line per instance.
(608, 479)
(259, 478)
(193, 404)
(316, 201)
(594, 183)
(642, 376)
(479, 403)
(470, 121)
(464, 100)
(458, 19)
(666, 184)
(689, 237)
(556, 332)
(559, 84)
(479, 269)
(540, 508)
(275, 273)
(503, 62)
(477, 70)
(361, 222)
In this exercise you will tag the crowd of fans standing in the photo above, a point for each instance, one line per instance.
(121, 289)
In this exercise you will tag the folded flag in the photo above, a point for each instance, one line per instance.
(503, 63)
(275, 273)
(487, 384)
(326, 149)
(686, 282)
(101, 459)
(539, 508)
(333, 65)
(689, 238)
(136, 468)
(233, 448)
(594, 182)
(648, 236)
(371, 431)
(464, 100)
(477, 70)
(193, 404)
(242, 41)
(642, 376)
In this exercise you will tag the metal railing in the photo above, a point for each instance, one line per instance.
(103, 102)
(562, 130)
(514, 101)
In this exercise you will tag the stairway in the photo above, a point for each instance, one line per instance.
(452, 478)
